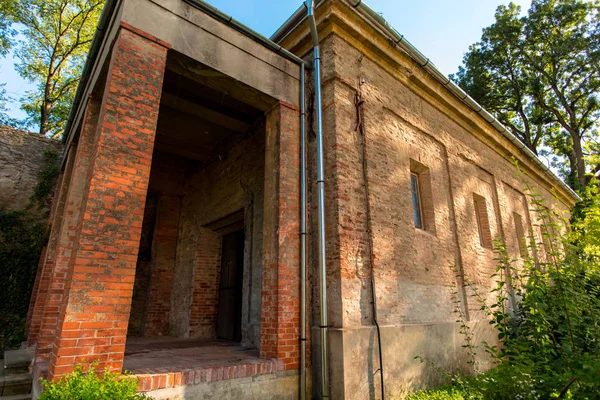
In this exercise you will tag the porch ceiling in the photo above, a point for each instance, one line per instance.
(202, 108)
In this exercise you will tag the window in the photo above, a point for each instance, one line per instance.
(422, 199)
(416, 201)
(483, 222)
(520, 232)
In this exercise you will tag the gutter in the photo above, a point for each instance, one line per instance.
(103, 22)
(238, 26)
(400, 41)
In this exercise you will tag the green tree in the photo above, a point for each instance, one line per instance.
(50, 38)
(6, 31)
(540, 74)
(3, 116)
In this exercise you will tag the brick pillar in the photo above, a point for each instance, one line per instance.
(46, 264)
(71, 210)
(161, 279)
(35, 288)
(280, 310)
(205, 301)
(95, 309)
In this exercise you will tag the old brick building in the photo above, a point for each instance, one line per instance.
(175, 244)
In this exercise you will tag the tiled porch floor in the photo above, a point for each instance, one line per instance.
(168, 362)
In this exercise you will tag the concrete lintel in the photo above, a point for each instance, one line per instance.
(210, 42)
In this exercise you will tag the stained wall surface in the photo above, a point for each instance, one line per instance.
(21, 160)
(418, 273)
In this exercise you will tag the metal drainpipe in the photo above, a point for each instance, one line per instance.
(321, 202)
(302, 238)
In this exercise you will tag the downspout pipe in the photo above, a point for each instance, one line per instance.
(302, 237)
(321, 201)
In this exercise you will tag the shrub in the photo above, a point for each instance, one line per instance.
(444, 393)
(88, 385)
(546, 312)
(22, 238)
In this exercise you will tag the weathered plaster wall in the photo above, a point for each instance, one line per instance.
(413, 275)
(233, 181)
(21, 160)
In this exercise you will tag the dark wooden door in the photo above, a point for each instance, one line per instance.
(229, 321)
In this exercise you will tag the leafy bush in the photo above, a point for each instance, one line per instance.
(444, 393)
(22, 238)
(88, 385)
(546, 312)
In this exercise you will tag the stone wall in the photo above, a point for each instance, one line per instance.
(22, 157)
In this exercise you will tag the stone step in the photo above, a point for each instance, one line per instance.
(17, 362)
(11, 385)
(17, 397)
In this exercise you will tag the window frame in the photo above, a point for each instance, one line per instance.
(417, 201)
(482, 218)
(520, 235)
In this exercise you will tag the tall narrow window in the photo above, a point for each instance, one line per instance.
(416, 201)
(520, 232)
(422, 197)
(483, 222)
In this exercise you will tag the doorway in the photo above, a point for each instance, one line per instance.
(229, 320)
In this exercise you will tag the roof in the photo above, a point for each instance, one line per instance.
(401, 42)
(296, 19)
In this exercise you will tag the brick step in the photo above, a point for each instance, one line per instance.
(11, 385)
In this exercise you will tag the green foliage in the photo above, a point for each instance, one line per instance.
(4, 98)
(90, 385)
(586, 226)
(546, 313)
(540, 74)
(22, 237)
(46, 178)
(3, 109)
(444, 393)
(56, 37)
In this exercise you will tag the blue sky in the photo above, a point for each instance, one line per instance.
(440, 29)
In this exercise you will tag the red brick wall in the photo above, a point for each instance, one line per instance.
(212, 192)
(280, 291)
(161, 277)
(46, 264)
(66, 232)
(205, 299)
(95, 311)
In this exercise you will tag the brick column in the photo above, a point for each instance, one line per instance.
(95, 309)
(280, 310)
(46, 264)
(71, 210)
